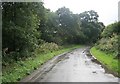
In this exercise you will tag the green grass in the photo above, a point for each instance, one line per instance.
(22, 68)
(107, 59)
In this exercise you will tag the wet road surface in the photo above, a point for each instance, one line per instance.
(74, 66)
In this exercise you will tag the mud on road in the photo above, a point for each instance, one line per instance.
(74, 66)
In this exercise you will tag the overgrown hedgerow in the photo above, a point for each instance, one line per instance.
(109, 42)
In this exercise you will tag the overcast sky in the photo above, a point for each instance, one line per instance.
(106, 9)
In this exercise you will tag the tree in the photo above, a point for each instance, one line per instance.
(21, 27)
(90, 26)
(51, 30)
(70, 24)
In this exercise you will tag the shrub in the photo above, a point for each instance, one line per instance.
(46, 47)
(109, 41)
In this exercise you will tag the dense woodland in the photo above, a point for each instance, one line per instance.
(26, 26)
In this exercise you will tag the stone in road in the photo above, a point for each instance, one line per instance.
(76, 67)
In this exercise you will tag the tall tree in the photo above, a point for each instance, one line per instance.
(90, 25)
(20, 26)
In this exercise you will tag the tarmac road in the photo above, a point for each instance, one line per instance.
(74, 66)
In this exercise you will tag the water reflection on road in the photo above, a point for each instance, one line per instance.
(77, 67)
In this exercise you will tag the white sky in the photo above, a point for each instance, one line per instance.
(106, 9)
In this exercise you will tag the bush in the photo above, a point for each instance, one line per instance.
(46, 47)
(109, 41)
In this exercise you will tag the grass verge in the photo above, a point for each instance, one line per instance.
(21, 69)
(106, 59)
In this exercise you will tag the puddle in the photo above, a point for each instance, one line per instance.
(88, 54)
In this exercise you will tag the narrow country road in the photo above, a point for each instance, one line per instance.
(74, 66)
